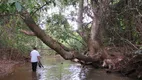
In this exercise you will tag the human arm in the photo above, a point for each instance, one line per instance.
(38, 58)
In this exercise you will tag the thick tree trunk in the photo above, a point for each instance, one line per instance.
(94, 44)
(100, 8)
(53, 44)
(94, 41)
(65, 52)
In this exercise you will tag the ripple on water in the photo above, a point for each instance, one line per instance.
(62, 70)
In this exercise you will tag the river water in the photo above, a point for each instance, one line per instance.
(55, 68)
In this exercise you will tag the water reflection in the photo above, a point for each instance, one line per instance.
(59, 69)
(34, 76)
(89, 73)
(38, 75)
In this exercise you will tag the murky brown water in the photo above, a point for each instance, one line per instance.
(59, 69)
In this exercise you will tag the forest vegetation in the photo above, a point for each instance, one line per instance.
(107, 31)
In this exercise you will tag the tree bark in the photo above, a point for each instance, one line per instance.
(94, 44)
(53, 44)
(95, 41)
(65, 52)
(30, 33)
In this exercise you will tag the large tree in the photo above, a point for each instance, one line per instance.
(100, 12)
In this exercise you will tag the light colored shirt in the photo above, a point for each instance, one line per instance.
(34, 55)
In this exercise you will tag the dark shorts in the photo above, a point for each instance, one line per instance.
(34, 66)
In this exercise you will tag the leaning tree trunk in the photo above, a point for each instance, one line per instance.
(94, 41)
(65, 52)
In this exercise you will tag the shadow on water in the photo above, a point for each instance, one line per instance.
(55, 68)
(34, 77)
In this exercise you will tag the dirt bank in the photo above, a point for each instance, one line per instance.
(9, 59)
(131, 65)
(7, 67)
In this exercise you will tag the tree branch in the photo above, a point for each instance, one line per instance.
(40, 7)
(65, 52)
(29, 33)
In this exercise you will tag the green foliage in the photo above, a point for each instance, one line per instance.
(120, 25)
(18, 6)
(59, 28)
(68, 2)
(12, 37)
(11, 23)
(6, 8)
(123, 23)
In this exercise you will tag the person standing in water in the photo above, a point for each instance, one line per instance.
(35, 58)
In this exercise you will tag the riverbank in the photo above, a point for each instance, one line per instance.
(8, 64)
(9, 59)
(56, 68)
(7, 67)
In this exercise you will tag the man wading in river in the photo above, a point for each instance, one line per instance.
(35, 58)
